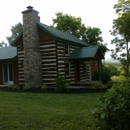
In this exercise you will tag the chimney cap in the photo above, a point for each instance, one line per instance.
(29, 7)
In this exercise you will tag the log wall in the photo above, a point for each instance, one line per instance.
(20, 64)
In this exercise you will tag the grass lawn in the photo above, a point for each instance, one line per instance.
(47, 111)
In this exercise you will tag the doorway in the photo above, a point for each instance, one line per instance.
(7, 73)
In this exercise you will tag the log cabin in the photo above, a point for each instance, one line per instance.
(41, 51)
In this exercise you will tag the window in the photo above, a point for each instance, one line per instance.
(67, 49)
(67, 68)
(96, 62)
(85, 68)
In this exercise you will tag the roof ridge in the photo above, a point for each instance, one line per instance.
(61, 35)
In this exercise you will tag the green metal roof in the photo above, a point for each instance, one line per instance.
(61, 36)
(8, 52)
(85, 53)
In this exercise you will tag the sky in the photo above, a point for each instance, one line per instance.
(94, 13)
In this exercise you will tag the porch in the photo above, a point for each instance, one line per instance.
(82, 84)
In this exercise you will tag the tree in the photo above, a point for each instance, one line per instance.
(69, 24)
(3, 44)
(16, 31)
(121, 32)
(93, 37)
(74, 25)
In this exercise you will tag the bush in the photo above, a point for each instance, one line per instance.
(105, 75)
(98, 85)
(109, 84)
(113, 113)
(13, 86)
(26, 87)
(60, 84)
(44, 87)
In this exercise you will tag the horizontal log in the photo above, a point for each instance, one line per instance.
(60, 54)
(49, 76)
(48, 54)
(21, 79)
(60, 62)
(20, 52)
(47, 42)
(61, 66)
(47, 50)
(47, 45)
(49, 57)
(20, 59)
(49, 72)
(62, 58)
(49, 61)
(48, 65)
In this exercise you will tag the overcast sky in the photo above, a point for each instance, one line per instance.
(94, 13)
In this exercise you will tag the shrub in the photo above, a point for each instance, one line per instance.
(60, 84)
(98, 85)
(105, 75)
(10, 86)
(13, 86)
(26, 87)
(113, 113)
(109, 84)
(44, 87)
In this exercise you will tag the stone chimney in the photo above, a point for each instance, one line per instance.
(32, 57)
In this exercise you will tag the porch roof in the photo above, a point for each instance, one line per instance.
(86, 53)
(8, 52)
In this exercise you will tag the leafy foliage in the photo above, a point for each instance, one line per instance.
(74, 25)
(16, 31)
(113, 70)
(105, 75)
(121, 33)
(114, 111)
(26, 87)
(98, 85)
(2, 44)
(69, 24)
(13, 86)
(60, 84)
(44, 87)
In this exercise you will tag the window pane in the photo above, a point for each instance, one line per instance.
(66, 49)
(67, 68)
(10, 73)
(67, 65)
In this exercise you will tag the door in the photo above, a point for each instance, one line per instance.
(77, 72)
(7, 73)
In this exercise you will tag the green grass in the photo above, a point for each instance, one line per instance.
(47, 111)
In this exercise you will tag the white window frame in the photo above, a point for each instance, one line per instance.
(67, 68)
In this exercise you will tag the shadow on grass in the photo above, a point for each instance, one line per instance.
(52, 90)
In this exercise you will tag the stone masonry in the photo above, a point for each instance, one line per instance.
(32, 57)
